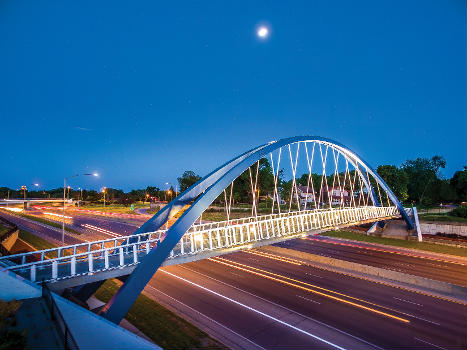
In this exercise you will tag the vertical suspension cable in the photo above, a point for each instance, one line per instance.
(253, 208)
(276, 176)
(352, 188)
(325, 177)
(370, 189)
(339, 181)
(309, 175)
(230, 200)
(379, 194)
(346, 178)
(294, 169)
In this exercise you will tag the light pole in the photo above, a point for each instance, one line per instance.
(103, 191)
(64, 193)
(80, 196)
(176, 188)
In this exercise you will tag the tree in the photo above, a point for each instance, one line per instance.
(188, 179)
(396, 179)
(459, 184)
(422, 172)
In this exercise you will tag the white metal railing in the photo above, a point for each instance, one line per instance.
(89, 258)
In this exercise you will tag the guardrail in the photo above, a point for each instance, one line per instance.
(68, 341)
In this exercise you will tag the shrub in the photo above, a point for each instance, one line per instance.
(460, 211)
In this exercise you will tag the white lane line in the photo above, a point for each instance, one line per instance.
(284, 308)
(408, 301)
(436, 346)
(210, 319)
(101, 230)
(257, 311)
(316, 302)
(419, 318)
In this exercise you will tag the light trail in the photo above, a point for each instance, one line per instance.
(58, 215)
(384, 250)
(282, 279)
(273, 257)
(256, 311)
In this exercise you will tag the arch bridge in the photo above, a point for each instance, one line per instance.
(337, 189)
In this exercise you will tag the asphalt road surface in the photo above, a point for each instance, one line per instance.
(276, 303)
(249, 294)
(435, 268)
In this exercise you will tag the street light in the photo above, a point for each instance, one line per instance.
(176, 188)
(80, 196)
(103, 191)
(64, 192)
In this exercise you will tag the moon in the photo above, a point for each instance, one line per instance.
(262, 32)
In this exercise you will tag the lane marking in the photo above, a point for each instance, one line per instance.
(257, 311)
(420, 318)
(407, 301)
(308, 284)
(312, 290)
(101, 230)
(210, 319)
(283, 307)
(316, 302)
(328, 290)
(273, 257)
(424, 341)
(385, 283)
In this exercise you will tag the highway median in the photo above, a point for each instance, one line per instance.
(418, 284)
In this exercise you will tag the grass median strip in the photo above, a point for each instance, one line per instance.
(165, 328)
(3, 230)
(113, 208)
(429, 247)
(36, 242)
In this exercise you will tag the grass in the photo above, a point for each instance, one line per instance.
(49, 222)
(165, 328)
(430, 247)
(37, 242)
(114, 208)
(3, 230)
(222, 216)
(441, 217)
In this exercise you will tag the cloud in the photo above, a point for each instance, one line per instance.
(80, 128)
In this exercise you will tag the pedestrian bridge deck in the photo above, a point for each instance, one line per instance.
(73, 265)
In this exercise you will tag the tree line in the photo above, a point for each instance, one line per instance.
(417, 181)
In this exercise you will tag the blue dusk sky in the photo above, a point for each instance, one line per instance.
(140, 91)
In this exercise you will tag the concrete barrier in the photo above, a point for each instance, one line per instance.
(401, 279)
(432, 228)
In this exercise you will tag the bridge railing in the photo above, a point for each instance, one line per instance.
(130, 250)
(90, 247)
(243, 231)
(84, 263)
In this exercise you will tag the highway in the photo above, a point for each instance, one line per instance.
(269, 302)
(434, 268)
(315, 301)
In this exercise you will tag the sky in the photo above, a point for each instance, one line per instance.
(140, 91)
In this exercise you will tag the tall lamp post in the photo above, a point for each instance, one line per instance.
(176, 188)
(64, 193)
(103, 191)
